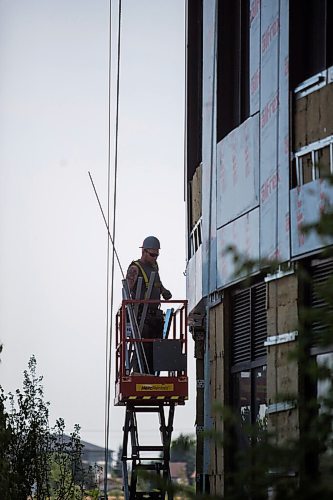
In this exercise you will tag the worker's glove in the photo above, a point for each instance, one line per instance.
(166, 294)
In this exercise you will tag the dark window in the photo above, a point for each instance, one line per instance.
(325, 461)
(194, 86)
(248, 354)
(311, 38)
(249, 325)
(249, 392)
(194, 120)
(317, 288)
(321, 272)
(233, 101)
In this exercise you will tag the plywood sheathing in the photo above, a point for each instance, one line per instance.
(217, 382)
(282, 372)
(313, 117)
(282, 369)
(282, 302)
(196, 195)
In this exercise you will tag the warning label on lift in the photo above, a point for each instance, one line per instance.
(154, 387)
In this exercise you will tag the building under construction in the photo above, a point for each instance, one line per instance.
(259, 142)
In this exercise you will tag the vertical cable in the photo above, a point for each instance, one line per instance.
(109, 316)
(107, 353)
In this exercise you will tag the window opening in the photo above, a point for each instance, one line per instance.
(195, 238)
(314, 161)
(194, 86)
(248, 356)
(323, 161)
(310, 39)
(249, 325)
(233, 92)
(321, 272)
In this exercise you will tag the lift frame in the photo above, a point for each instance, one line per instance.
(149, 393)
(158, 466)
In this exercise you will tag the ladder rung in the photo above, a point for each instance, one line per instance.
(146, 409)
(148, 448)
(160, 467)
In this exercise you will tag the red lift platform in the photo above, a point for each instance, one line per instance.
(144, 392)
(170, 382)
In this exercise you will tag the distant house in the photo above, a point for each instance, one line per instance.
(178, 471)
(93, 455)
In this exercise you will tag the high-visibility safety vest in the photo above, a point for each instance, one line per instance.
(156, 291)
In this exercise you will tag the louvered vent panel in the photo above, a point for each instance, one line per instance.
(241, 322)
(320, 274)
(259, 320)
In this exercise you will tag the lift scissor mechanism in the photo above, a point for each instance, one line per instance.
(143, 391)
(158, 458)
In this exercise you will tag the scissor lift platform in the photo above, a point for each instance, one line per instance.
(151, 390)
(169, 383)
(144, 392)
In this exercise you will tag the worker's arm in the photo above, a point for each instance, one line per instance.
(132, 276)
(166, 294)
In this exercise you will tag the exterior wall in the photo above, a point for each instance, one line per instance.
(250, 168)
(247, 201)
(236, 179)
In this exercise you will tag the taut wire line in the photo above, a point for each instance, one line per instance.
(110, 283)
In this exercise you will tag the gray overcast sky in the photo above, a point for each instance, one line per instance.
(53, 129)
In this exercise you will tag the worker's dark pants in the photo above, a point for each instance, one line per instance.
(153, 329)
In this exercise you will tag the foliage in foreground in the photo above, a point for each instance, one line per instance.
(36, 460)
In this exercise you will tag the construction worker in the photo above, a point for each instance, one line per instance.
(143, 267)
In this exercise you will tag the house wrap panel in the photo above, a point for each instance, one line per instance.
(306, 204)
(274, 124)
(191, 280)
(209, 149)
(254, 56)
(243, 233)
(237, 171)
(283, 140)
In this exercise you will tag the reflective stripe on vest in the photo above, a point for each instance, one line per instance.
(143, 272)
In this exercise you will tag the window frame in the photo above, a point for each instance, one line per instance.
(312, 149)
